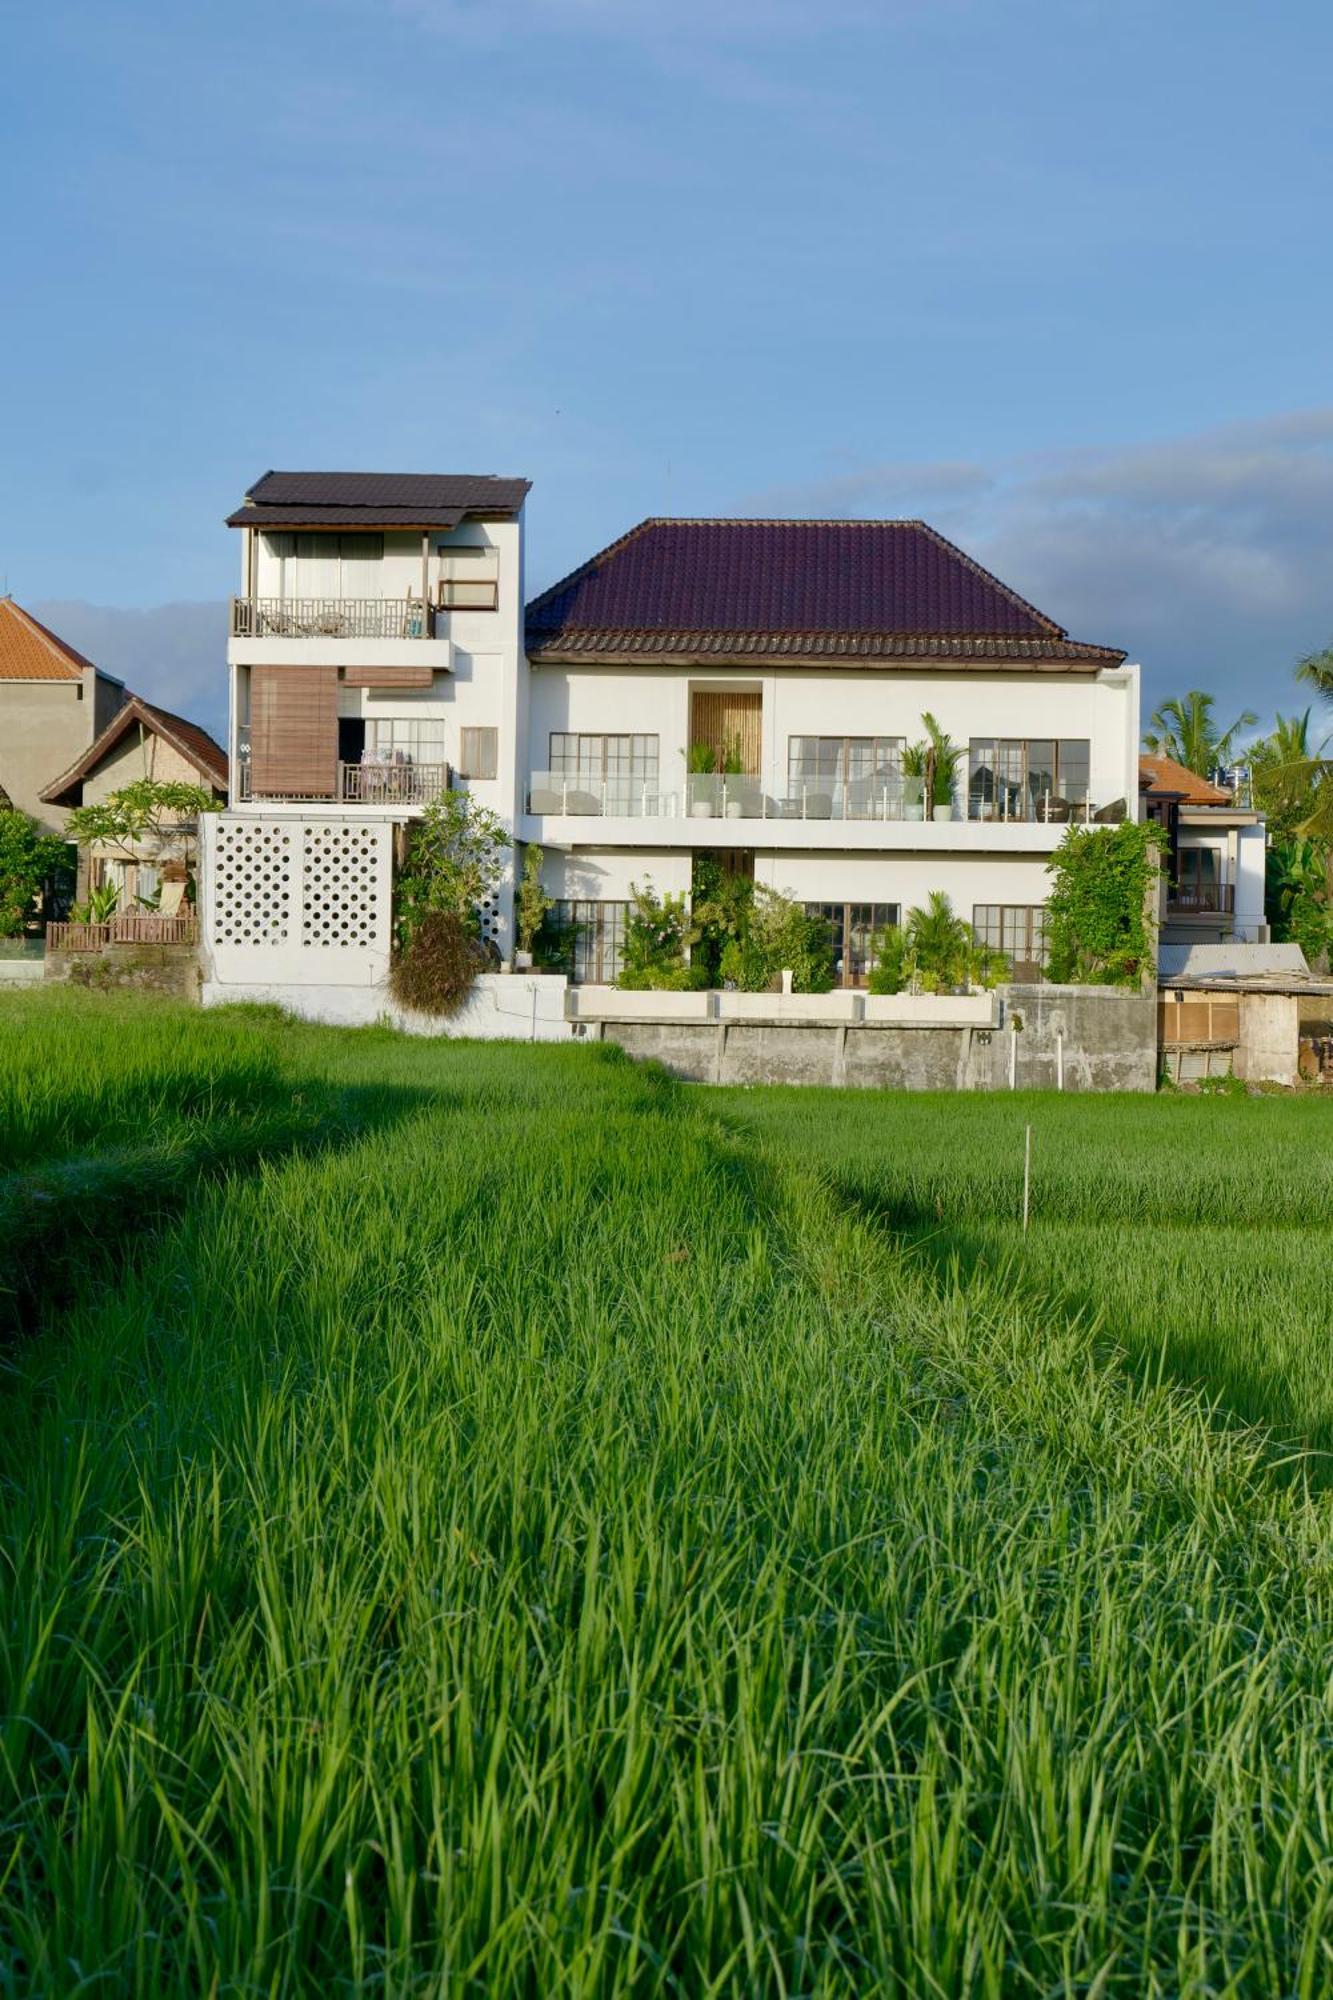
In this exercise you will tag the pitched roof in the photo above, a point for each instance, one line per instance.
(375, 499)
(29, 652)
(1166, 775)
(194, 743)
(838, 590)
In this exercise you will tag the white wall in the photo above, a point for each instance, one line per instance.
(864, 702)
(500, 1007)
(905, 879)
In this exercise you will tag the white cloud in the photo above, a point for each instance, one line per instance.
(1206, 556)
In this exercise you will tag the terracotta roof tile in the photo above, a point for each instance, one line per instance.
(1166, 775)
(845, 590)
(29, 652)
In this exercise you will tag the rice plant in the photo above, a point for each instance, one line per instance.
(558, 1538)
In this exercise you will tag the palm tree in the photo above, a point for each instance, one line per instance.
(941, 944)
(1185, 731)
(1316, 669)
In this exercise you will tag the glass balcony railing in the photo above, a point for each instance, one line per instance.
(577, 795)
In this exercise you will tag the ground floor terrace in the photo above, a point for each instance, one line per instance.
(858, 894)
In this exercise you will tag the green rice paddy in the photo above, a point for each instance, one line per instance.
(495, 1521)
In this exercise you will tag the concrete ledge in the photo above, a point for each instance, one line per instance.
(601, 1005)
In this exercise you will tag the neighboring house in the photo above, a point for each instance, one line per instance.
(140, 741)
(379, 653)
(1214, 866)
(814, 649)
(53, 704)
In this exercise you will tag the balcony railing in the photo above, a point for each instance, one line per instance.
(1213, 899)
(330, 618)
(746, 798)
(364, 784)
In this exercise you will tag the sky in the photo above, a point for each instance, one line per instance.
(1051, 274)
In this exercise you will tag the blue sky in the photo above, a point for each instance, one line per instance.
(1052, 275)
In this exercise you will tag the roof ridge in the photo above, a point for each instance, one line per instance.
(51, 640)
(136, 707)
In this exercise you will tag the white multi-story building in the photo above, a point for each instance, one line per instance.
(805, 656)
(756, 690)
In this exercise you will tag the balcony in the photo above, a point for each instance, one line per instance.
(330, 618)
(363, 784)
(1209, 899)
(872, 800)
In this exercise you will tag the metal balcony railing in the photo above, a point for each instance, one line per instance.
(747, 798)
(1216, 899)
(330, 618)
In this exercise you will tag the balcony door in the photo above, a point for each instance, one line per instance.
(729, 721)
(329, 566)
(293, 732)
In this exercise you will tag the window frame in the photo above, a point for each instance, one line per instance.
(490, 731)
(1010, 769)
(852, 966)
(993, 936)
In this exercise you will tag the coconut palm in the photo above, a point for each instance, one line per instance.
(1185, 731)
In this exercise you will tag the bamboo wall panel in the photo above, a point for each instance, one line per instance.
(723, 720)
(294, 731)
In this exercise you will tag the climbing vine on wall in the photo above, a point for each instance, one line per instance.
(1101, 921)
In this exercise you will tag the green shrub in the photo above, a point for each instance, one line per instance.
(891, 971)
(1100, 930)
(456, 855)
(532, 903)
(29, 859)
(778, 936)
(658, 936)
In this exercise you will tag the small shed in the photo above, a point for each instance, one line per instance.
(1241, 1010)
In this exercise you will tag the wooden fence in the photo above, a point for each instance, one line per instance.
(146, 929)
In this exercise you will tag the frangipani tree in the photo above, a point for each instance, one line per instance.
(151, 819)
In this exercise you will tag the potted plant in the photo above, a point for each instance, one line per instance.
(530, 906)
(914, 781)
(941, 767)
(733, 766)
(701, 763)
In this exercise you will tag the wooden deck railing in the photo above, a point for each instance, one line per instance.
(145, 929)
(330, 618)
(364, 784)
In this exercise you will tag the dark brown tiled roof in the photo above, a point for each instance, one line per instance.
(375, 499)
(186, 736)
(851, 591)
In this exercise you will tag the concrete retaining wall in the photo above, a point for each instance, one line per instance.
(1105, 1036)
(865, 1057)
(172, 969)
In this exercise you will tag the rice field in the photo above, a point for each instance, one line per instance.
(510, 1524)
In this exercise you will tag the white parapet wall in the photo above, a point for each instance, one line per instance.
(595, 1004)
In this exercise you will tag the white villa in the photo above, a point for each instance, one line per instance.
(755, 689)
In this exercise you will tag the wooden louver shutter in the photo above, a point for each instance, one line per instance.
(294, 731)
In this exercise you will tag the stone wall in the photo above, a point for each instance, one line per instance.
(172, 969)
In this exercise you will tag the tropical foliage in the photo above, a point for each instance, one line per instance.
(152, 814)
(29, 859)
(532, 903)
(779, 936)
(935, 951)
(1299, 897)
(1185, 730)
(1101, 913)
(658, 936)
(456, 857)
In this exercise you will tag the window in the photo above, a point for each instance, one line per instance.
(866, 765)
(390, 741)
(852, 927)
(1016, 929)
(1199, 880)
(597, 938)
(1012, 777)
(469, 577)
(478, 753)
(625, 766)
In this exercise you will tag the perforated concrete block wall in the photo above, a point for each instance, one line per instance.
(296, 902)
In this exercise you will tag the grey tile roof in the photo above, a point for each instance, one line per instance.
(376, 499)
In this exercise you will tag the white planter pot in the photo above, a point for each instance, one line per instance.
(914, 812)
(942, 815)
(522, 961)
(701, 809)
(733, 808)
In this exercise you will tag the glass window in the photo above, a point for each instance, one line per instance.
(420, 741)
(1016, 929)
(598, 938)
(860, 761)
(852, 927)
(1014, 777)
(625, 764)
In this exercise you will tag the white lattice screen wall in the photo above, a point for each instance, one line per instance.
(304, 902)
